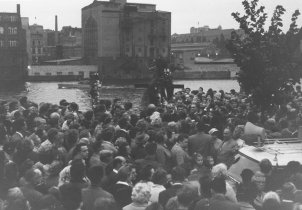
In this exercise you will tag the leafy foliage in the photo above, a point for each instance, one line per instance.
(268, 59)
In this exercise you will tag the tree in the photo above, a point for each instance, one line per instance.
(267, 58)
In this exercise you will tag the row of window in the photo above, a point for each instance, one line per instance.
(11, 30)
(140, 49)
(81, 73)
(11, 18)
(10, 43)
(36, 50)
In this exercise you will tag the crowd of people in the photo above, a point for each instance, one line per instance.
(171, 155)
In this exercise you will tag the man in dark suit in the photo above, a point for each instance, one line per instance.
(178, 177)
(199, 142)
(111, 177)
(122, 191)
(218, 200)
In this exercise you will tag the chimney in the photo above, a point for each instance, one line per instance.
(56, 23)
(18, 9)
(56, 31)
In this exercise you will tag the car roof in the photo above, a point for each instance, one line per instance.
(279, 152)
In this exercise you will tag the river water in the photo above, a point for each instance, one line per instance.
(48, 91)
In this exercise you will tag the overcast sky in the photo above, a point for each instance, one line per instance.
(185, 13)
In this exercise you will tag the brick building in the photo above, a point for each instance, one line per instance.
(123, 37)
(13, 55)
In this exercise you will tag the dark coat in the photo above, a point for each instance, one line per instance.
(122, 194)
(90, 194)
(109, 181)
(165, 195)
(199, 142)
(217, 202)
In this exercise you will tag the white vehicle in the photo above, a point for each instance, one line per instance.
(278, 151)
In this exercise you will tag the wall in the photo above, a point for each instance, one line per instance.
(109, 35)
(64, 69)
(201, 75)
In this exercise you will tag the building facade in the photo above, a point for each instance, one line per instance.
(123, 37)
(203, 35)
(25, 26)
(37, 40)
(13, 55)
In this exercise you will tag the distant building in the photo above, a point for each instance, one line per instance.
(13, 56)
(200, 42)
(25, 26)
(123, 37)
(203, 35)
(37, 38)
(71, 40)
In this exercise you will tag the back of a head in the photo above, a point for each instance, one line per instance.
(247, 193)
(117, 161)
(178, 174)
(187, 194)
(218, 185)
(95, 174)
(141, 193)
(52, 133)
(271, 204)
(123, 173)
(160, 176)
(70, 196)
(265, 166)
(219, 170)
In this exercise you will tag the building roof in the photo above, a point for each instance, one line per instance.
(97, 3)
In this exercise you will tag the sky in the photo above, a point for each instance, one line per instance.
(185, 13)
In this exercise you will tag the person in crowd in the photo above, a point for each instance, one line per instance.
(228, 149)
(218, 200)
(150, 158)
(159, 179)
(140, 197)
(199, 168)
(111, 177)
(36, 199)
(19, 127)
(179, 150)
(220, 170)
(163, 155)
(246, 195)
(105, 204)
(94, 191)
(178, 177)
(199, 142)
(215, 143)
(70, 197)
(260, 180)
(122, 189)
(271, 201)
(184, 198)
